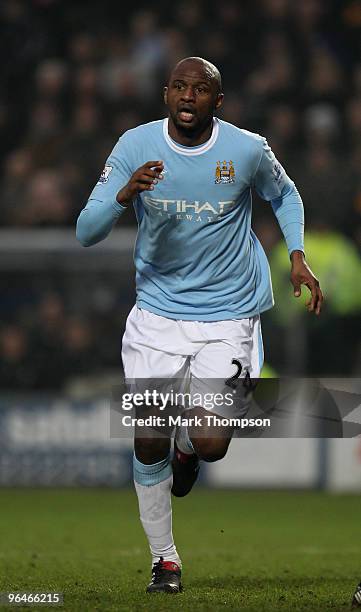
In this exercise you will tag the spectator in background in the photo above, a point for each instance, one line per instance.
(45, 201)
(353, 118)
(48, 338)
(283, 130)
(16, 367)
(78, 347)
(50, 81)
(147, 52)
(325, 81)
(17, 171)
(330, 196)
(84, 140)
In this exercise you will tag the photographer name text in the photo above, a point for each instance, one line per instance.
(212, 420)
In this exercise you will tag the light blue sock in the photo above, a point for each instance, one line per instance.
(152, 474)
(153, 486)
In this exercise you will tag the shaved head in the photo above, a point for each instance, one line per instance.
(210, 71)
(193, 94)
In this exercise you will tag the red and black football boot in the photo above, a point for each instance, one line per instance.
(185, 472)
(166, 578)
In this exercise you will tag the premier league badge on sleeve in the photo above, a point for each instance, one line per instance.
(278, 171)
(104, 177)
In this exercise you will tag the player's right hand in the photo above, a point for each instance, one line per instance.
(142, 179)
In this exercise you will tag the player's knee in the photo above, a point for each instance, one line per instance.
(211, 449)
(151, 450)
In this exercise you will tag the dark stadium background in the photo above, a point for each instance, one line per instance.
(74, 77)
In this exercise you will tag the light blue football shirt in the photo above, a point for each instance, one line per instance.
(196, 255)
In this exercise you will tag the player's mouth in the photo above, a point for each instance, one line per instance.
(186, 114)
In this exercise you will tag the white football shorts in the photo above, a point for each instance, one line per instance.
(197, 354)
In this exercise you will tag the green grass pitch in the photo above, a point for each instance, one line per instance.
(256, 551)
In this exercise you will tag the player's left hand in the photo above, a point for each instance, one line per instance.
(301, 274)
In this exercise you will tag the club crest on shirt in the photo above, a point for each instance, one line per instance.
(224, 172)
(104, 177)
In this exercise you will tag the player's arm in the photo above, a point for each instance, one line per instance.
(273, 184)
(117, 187)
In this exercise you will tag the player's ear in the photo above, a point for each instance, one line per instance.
(219, 100)
(165, 95)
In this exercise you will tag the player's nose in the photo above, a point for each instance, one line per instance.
(188, 94)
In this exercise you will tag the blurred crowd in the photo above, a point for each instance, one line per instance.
(52, 335)
(76, 75)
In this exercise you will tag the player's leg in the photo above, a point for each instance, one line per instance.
(152, 466)
(153, 481)
(209, 441)
(212, 371)
(192, 444)
(211, 368)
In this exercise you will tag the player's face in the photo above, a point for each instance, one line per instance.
(192, 96)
